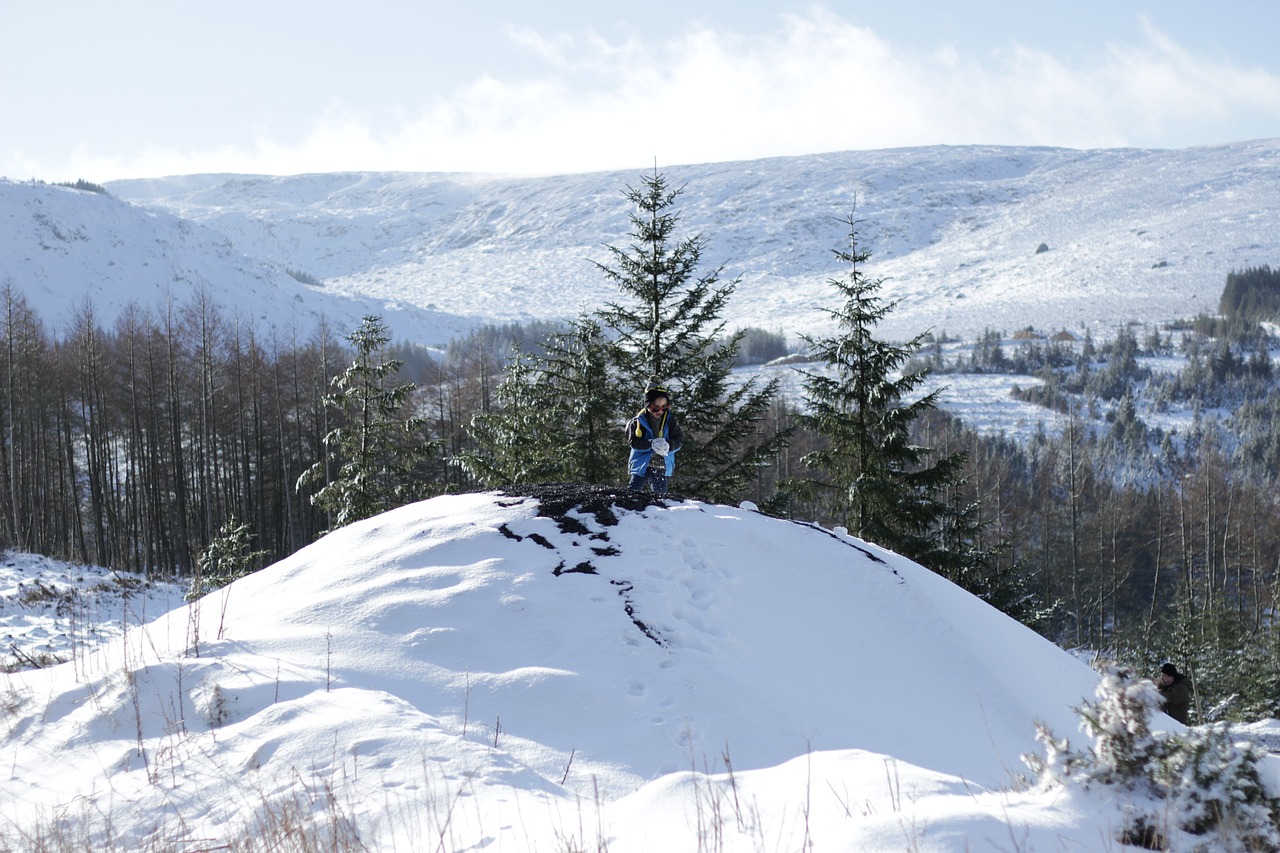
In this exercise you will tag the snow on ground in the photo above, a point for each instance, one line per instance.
(68, 250)
(986, 404)
(592, 669)
(985, 401)
(1146, 235)
(54, 610)
(1265, 733)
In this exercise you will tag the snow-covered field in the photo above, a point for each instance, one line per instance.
(494, 672)
(56, 611)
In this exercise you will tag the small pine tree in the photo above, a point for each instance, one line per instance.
(507, 449)
(229, 557)
(1206, 783)
(961, 557)
(576, 371)
(1125, 752)
(870, 475)
(668, 325)
(381, 453)
(558, 421)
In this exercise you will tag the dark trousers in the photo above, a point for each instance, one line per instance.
(654, 478)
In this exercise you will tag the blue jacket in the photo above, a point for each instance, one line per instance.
(641, 434)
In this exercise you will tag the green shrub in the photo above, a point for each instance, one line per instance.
(1199, 783)
(229, 557)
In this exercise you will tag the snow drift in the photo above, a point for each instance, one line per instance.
(491, 667)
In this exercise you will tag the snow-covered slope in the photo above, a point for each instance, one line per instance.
(65, 249)
(497, 670)
(1131, 234)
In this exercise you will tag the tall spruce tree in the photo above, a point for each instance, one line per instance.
(668, 325)
(870, 475)
(381, 453)
(558, 418)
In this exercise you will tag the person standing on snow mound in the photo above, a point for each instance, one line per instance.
(655, 437)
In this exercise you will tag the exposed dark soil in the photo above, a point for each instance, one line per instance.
(556, 500)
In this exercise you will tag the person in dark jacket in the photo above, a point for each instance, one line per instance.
(1176, 690)
(655, 436)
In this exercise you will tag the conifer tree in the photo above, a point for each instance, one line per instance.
(576, 375)
(870, 475)
(229, 557)
(558, 421)
(506, 448)
(668, 325)
(381, 453)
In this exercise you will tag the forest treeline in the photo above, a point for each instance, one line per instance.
(138, 445)
(132, 446)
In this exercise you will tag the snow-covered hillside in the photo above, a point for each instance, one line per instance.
(501, 672)
(1131, 234)
(65, 249)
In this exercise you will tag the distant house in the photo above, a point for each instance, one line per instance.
(1027, 334)
(1064, 337)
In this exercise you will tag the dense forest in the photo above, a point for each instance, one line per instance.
(141, 446)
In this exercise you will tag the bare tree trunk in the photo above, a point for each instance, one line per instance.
(182, 538)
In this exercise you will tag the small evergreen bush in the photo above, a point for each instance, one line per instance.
(228, 558)
(1193, 791)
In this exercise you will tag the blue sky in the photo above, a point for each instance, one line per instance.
(136, 88)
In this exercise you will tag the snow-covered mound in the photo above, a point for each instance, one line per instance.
(504, 669)
(1145, 235)
(65, 249)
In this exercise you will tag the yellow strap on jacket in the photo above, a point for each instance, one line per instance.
(661, 427)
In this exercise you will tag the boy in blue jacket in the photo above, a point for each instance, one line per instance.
(655, 437)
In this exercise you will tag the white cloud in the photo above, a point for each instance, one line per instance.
(817, 83)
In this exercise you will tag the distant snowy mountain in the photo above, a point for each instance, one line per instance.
(1128, 234)
(66, 249)
(957, 232)
(481, 670)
